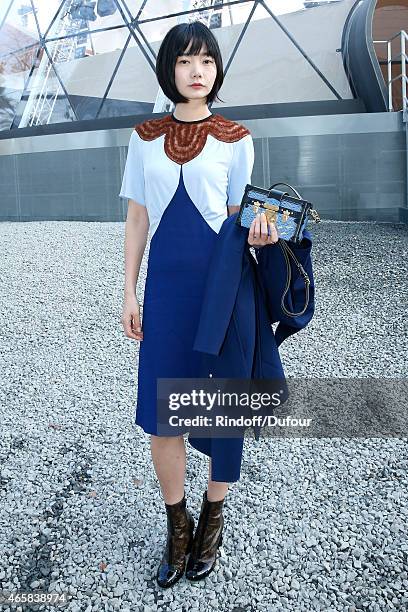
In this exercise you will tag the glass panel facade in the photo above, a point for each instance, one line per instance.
(72, 60)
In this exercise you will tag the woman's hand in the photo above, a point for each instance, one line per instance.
(131, 318)
(258, 232)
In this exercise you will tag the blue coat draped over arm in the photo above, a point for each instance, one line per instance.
(234, 334)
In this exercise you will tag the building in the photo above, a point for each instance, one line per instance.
(312, 80)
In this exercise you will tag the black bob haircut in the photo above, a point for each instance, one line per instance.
(175, 44)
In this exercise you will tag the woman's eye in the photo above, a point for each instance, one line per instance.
(206, 60)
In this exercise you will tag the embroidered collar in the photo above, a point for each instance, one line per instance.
(184, 140)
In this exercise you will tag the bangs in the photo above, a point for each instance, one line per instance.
(199, 37)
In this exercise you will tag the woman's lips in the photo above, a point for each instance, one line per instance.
(197, 86)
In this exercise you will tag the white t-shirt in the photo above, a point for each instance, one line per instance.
(217, 176)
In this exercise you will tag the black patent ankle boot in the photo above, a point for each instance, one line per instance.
(207, 539)
(180, 529)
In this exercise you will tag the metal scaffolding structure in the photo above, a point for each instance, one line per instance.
(47, 88)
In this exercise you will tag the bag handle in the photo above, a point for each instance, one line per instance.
(284, 193)
(286, 250)
(312, 211)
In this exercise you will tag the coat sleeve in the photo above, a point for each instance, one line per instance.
(133, 176)
(273, 275)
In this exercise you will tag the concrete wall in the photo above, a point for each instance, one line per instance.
(351, 166)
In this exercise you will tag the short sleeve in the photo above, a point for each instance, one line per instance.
(240, 171)
(133, 176)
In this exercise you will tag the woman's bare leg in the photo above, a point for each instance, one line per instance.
(169, 460)
(215, 490)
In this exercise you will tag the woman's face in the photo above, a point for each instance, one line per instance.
(191, 69)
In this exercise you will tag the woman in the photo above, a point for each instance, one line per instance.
(185, 173)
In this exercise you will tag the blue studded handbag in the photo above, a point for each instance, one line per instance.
(290, 214)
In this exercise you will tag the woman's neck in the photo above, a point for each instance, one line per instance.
(191, 114)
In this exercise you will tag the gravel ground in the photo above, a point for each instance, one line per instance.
(313, 524)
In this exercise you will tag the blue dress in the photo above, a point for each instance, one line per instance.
(185, 173)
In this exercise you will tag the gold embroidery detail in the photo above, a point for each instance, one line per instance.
(270, 210)
(184, 141)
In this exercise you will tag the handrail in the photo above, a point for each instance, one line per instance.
(403, 57)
